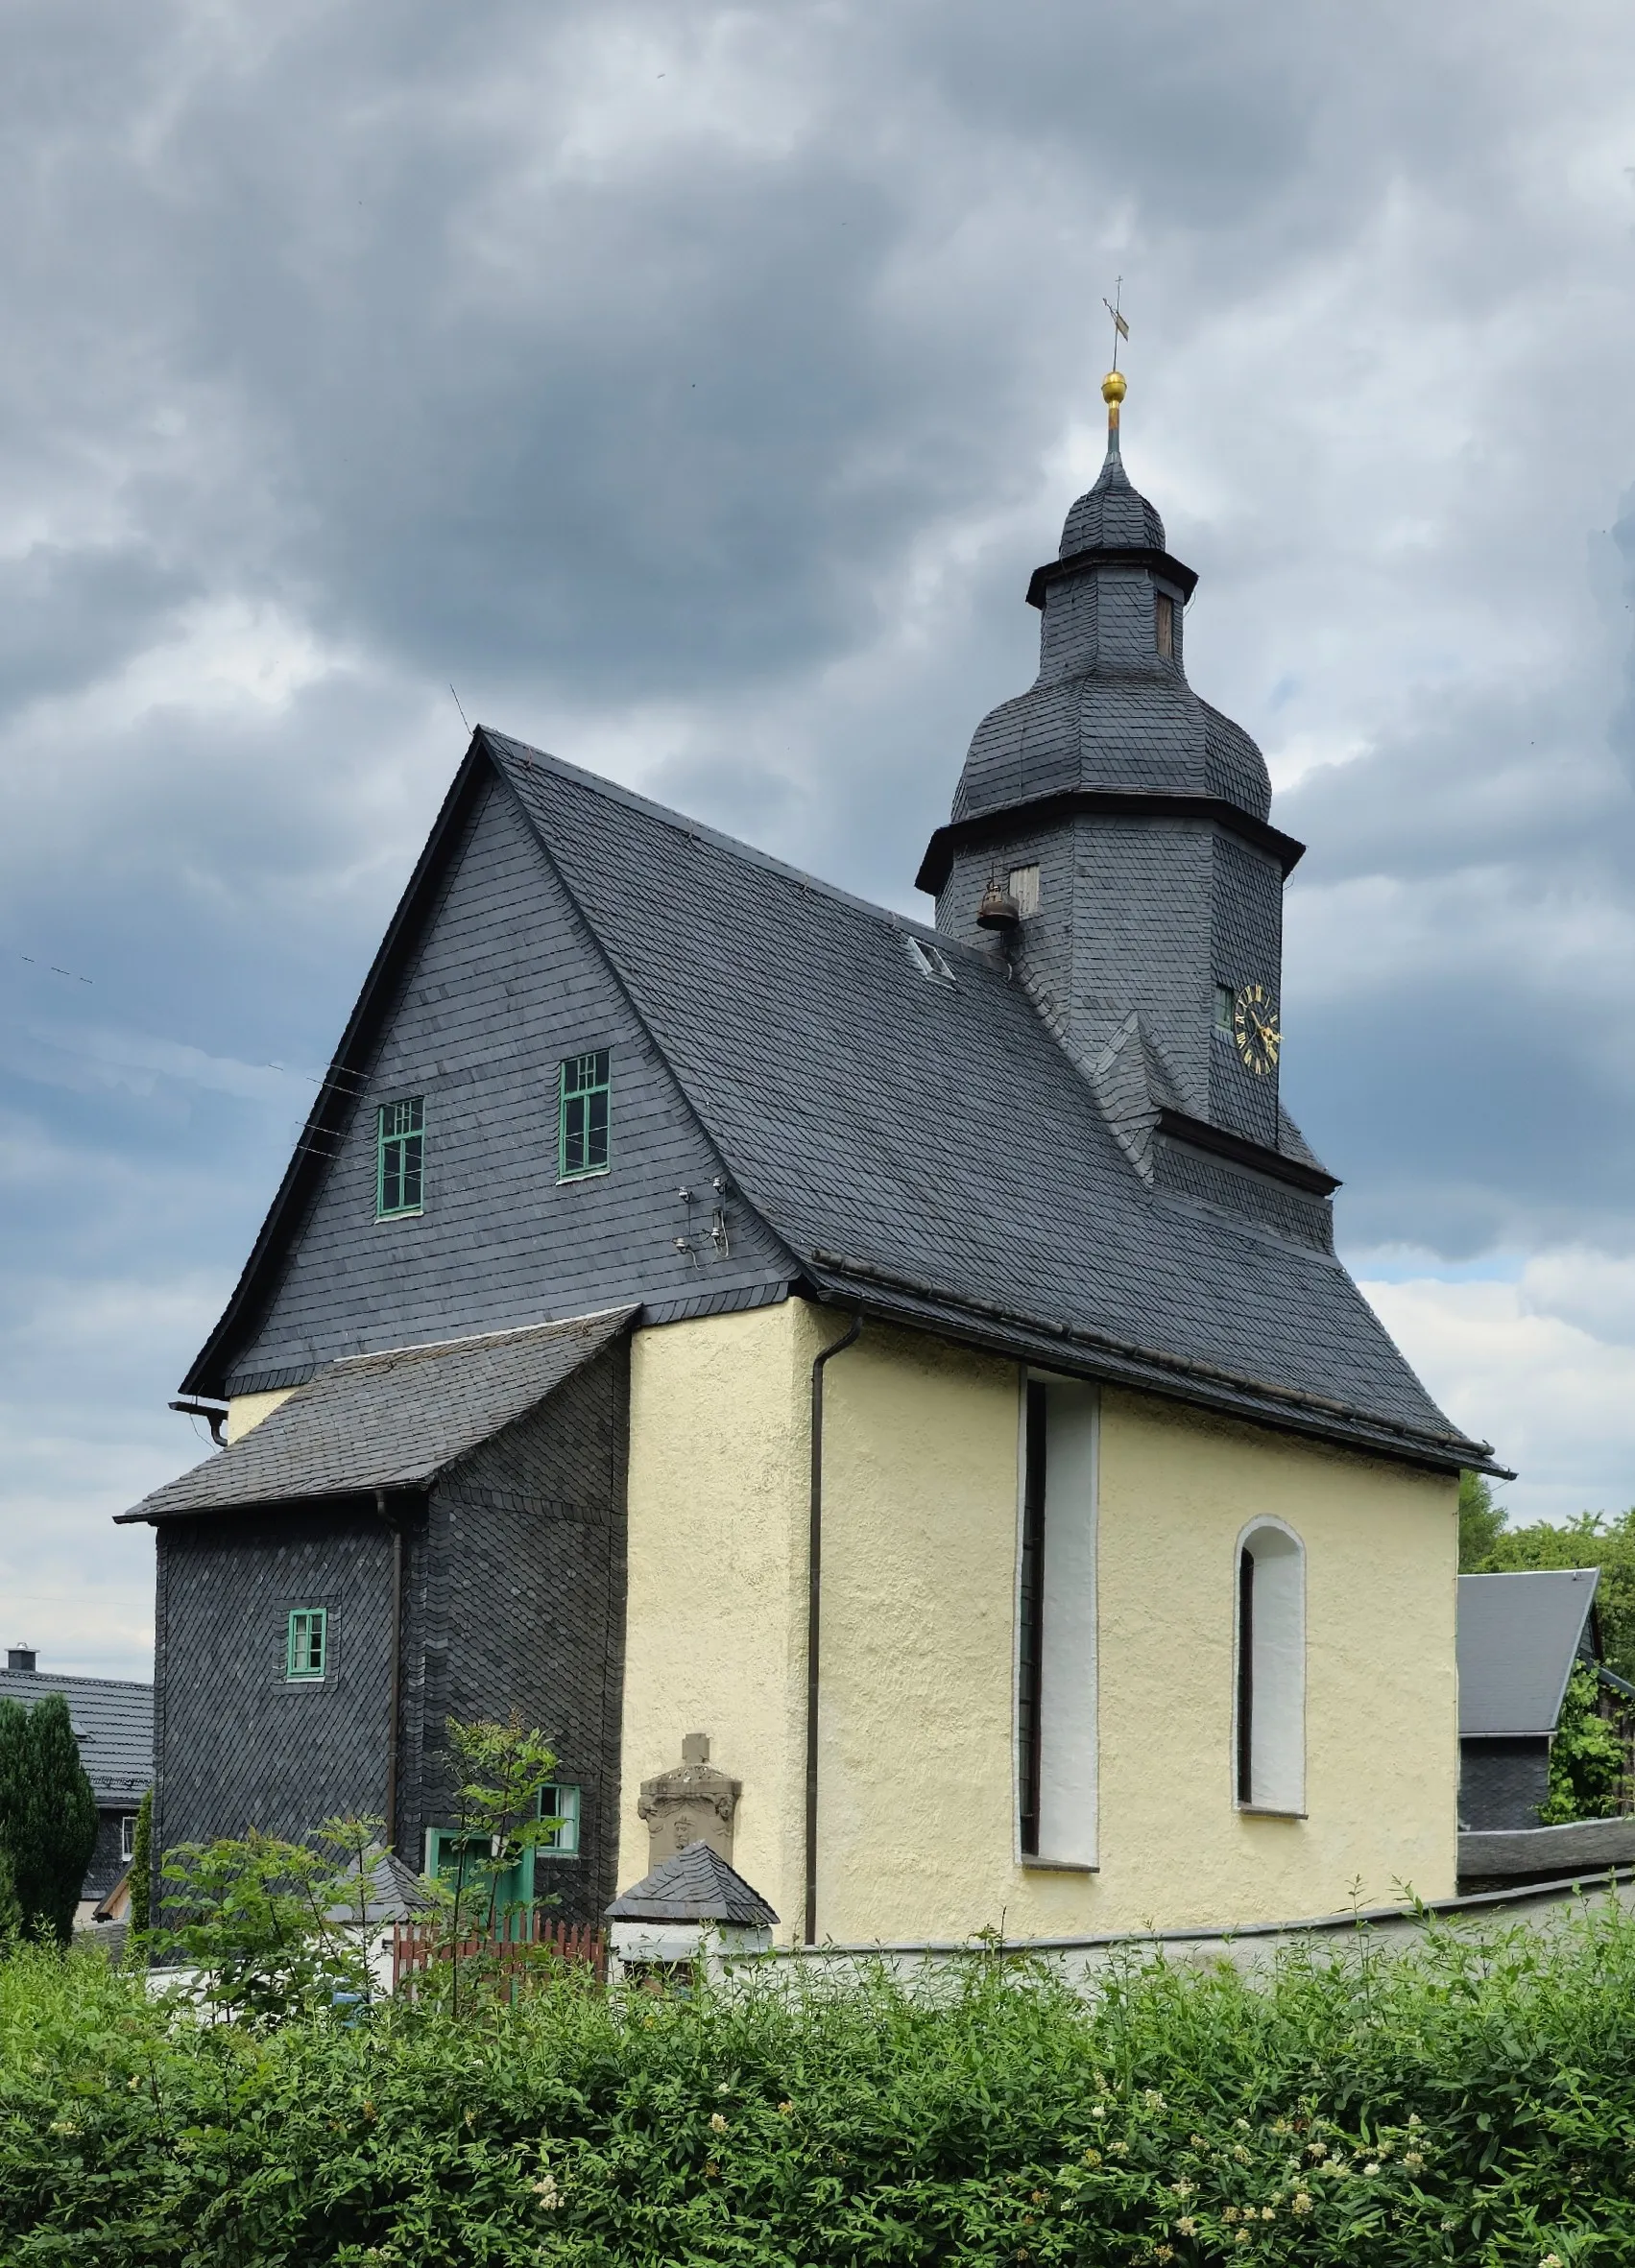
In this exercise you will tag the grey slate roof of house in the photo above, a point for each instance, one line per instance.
(928, 1148)
(391, 1421)
(921, 1149)
(113, 1718)
(1519, 1636)
(696, 1885)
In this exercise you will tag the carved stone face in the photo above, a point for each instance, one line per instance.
(685, 1827)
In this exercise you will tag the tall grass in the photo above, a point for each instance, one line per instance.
(1475, 2103)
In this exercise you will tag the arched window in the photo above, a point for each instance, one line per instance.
(1270, 1713)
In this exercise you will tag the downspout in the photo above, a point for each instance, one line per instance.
(814, 1588)
(395, 1674)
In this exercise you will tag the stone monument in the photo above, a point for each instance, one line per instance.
(692, 1803)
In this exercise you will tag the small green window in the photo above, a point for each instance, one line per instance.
(581, 1116)
(560, 1803)
(400, 1168)
(1224, 998)
(308, 1650)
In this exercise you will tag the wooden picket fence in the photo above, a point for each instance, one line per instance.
(513, 1947)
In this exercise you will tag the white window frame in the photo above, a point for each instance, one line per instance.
(1276, 1671)
(127, 1837)
(1070, 1697)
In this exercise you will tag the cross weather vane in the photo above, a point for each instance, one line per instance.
(1120, 329)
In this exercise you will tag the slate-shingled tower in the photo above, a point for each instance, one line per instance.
(1135, 817)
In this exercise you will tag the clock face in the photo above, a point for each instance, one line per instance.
(1255, 1028)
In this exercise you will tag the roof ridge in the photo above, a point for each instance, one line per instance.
(698, 831)
(519, 1330)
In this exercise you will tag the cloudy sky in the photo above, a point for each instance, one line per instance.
(692, 387)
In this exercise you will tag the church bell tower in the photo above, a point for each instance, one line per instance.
(1111, 837)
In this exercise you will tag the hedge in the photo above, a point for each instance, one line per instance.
(1473, 2103)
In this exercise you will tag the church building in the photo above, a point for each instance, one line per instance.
(906, 1363)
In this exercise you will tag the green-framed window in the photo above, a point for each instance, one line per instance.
(306, 1646)
(561, 1803)
(399, 1174)
(582, 1115)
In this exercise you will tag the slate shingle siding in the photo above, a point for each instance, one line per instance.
(526, 1572)
(507, 984)
(242, 1745)
(1502, 1782)
(1245, 934)
(514, 1593)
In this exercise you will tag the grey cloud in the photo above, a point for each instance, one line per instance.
(710, 427)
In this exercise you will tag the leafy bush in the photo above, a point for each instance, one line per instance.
(1589, 1757)
(1472, 2105)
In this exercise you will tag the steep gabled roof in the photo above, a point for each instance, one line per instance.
(393, 1420)
(1518, 1638)
(113, 1718)
(921, 1146)
(927, 1148)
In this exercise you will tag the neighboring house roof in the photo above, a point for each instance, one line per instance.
(924, 1149)
(696, 1885)
(1520, 1635)
(393, 1420)
(114, 1719)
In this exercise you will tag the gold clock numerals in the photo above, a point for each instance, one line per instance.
(1255, 1028)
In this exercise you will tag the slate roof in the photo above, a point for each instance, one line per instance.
(1518, 1638)
(395, 1892)
(391, 1420)
(113, 1718)
(1112, 514)
(1135, 727)
(696, 1885)
(927, 1150)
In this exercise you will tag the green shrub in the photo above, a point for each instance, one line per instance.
(1589, 1757)
(1469, 2106)
(48, 1813)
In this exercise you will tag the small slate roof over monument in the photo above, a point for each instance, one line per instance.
(393, 1420)
(113, 1718)
(696, 1885)
(1518, 1638)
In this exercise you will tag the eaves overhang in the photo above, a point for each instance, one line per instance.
(1078, 562)
(1199, 1135)
(1041, 811)
(1080, 1351)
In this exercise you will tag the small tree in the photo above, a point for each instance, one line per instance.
(48, 1813)
(142, 1866)
(1481, 1520)
(260, 1923)
(499, 1771)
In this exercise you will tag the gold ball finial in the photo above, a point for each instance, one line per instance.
(1113, 389)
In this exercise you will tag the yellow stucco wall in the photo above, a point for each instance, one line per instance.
(717, 1617)
(916, 1777)
(246, 1411)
